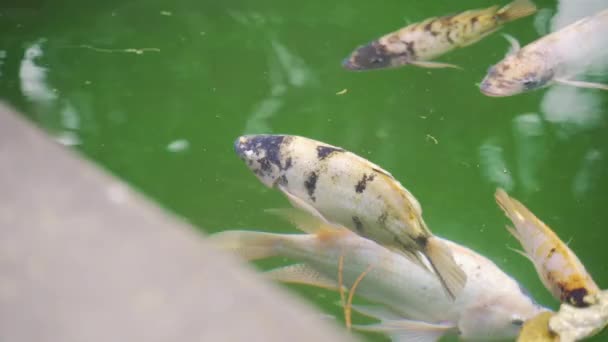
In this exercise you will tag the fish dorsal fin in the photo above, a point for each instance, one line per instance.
(513, 42)
(408, 330)
(301, 274)
(303, 220)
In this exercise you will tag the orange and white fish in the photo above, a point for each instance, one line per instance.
(559, 269)
(344, 189)
(407, 298)
(557, 58)
(419, 43)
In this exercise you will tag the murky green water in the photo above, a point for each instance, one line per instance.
(157, 91)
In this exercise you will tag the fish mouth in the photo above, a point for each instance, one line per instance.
(486, 89)
(241, 145)
(349, 64)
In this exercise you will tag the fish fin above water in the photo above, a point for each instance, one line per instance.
(249, 245)
(301, 204)
(411, 331)
(513, 42)
(516, 9)
(450, 274)
(301, 274)
(581, 84)
(433, 65)
(303, 220)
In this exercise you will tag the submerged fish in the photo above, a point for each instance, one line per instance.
(559, 269)
(340, 187)
(556, 58)
(420, 42)
(407, 298)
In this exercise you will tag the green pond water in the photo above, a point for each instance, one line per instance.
(157, 91)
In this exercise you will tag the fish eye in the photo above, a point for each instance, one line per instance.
(376, 60)
(517, 322)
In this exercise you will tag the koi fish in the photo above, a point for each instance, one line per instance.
(344, 189)
(556, 58)
(419, 43)
(407, 298)
(559, 269)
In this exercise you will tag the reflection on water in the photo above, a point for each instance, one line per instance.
(33, 77)
(493, 165)
(579, 108)
(530, 147)
(588, 174)
(2, 58)
(573, 109)
(285, 68)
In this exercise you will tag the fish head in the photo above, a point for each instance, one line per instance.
(499, 318)
(371, 56)
(516, 74)
(265, 155)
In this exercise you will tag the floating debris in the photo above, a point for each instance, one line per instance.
(342, 92)
(178, 145)
(139, 51)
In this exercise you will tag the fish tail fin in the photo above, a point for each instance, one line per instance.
(451, 276)
(249, 245)
(516, 9)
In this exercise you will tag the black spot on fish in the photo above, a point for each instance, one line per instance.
(288, 164)
(326, 151)
(283, 180)
(311, 184)
(362, 184)
(410, 49)
(371, 56)
(447, 36)
(551, 252)
(267, 145)
(421, 241)
(474, 20)
(382, 218)
(358, 224)
(576, 297)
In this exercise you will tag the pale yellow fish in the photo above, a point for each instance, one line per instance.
(407, 298)
(560, 270)
(559, 57)
(419, 43)
(340, 187)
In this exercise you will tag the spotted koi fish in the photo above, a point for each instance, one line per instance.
(557, 58)
(342, 188)
(559, 269)
(419, 43)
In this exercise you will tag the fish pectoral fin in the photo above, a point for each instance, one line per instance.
(513, 42)
(301, 274)
(411, 331)
(433, 65)
(376, 311)
(304, 220)
(581, 84)
(522, 253)
(301, 204)
(450, 274)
